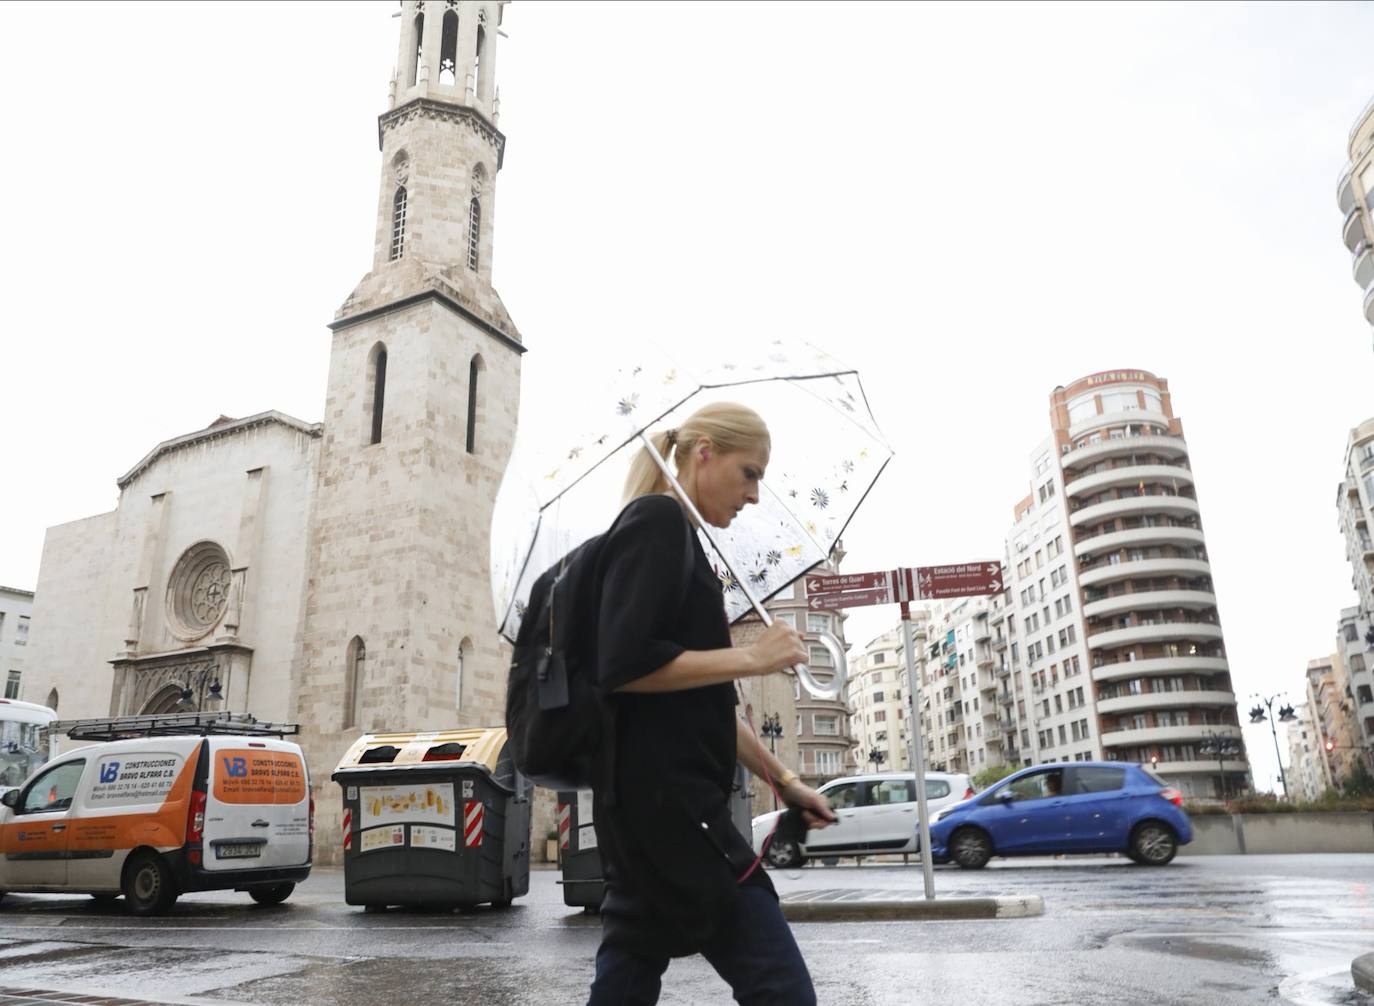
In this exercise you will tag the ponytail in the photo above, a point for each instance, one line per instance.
(725, 425)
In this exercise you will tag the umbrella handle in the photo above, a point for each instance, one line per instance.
(831, 689)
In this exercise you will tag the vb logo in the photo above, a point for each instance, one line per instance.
(236, 768)
(109, 771)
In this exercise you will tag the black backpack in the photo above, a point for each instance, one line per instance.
(557, 724)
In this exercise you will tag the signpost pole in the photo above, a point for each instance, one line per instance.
(905, 587)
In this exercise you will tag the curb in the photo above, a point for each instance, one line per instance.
(1362, 970)
(853, 906)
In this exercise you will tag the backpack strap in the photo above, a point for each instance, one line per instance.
(607, 707)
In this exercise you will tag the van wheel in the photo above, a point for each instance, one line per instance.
(970, 848)
(273, 895)
(1153, 843)
(149, 888)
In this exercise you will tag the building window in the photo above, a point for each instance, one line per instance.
(377, 379)
(817, 623)
(12, 685)
(827, 762)
(820, 657)
(826, 725)
(474, 231)
(21, 631)
(413, 66)
(464, 648)
(448, 49)
(355, 678)
(398, 223)
(475, 368)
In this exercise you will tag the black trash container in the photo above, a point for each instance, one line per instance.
(434, 820)
(583, 883)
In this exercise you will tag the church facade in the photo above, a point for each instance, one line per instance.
(334, 574)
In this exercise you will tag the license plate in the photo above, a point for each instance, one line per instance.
(246, 851)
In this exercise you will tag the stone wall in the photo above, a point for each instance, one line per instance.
(1257, 834)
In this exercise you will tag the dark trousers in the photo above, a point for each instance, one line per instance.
(759, 960)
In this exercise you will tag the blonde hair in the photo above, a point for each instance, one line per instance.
(726, 425)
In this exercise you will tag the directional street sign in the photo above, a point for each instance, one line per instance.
(851, 599)
(964, 580)
(827, 583)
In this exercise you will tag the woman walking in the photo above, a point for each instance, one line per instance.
(680, 878)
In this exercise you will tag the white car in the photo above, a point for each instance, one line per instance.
(876, 814)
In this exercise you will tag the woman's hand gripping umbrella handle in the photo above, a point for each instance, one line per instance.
(831, 689)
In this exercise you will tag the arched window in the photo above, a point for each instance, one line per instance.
(52, 700)
(475, 368)
(413, 70)
(481, 51)
(448, 50)
(474, 231)
(376, 380)
(355, 678)
(464, 651)
(398, 223)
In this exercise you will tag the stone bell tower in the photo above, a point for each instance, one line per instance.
(423, 393)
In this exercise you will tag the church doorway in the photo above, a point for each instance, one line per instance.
(166, 700)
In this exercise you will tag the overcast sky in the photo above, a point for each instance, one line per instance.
(969, 204)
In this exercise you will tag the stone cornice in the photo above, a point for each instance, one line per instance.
(214, 433)
(445, 111)
(419, 298)
(172, 657)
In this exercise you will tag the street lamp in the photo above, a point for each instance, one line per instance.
(1222, 747)
(1286, 715)
(771, 728)
(207, 685)
(877, 756)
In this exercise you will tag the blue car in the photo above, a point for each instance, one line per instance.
(1066, 807)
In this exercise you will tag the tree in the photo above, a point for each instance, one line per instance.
(992, 774)
(1359, 782)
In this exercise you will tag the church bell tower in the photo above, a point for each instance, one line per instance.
(420, 416)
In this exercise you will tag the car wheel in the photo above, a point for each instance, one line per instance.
(273, 895)
(970, 848)
(783, 854)
(149, 888)
(1153, 843)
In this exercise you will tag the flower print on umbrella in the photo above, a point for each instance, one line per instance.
(773, 558)
(758, 577)
(820, 499)
(727, 580)
(626, 405)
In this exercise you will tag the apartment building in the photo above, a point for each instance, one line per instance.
(877, 701)
(960, 709)
(16, 610)
(1119, 639)
(1355, 509)
(1355, 645)
(1355, 197)
(1307, 774)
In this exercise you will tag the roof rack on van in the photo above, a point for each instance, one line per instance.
(170, 724)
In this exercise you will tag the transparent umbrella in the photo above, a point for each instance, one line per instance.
(564, 487)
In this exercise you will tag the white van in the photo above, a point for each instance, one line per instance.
(152, 817)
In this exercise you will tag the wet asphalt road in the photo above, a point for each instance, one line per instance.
(1207, 930)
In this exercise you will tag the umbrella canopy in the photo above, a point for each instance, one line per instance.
(827, 451)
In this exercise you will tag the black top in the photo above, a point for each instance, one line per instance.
(671, 853)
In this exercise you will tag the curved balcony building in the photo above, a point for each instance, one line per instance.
(1114, 648)
(1355, 201)
(1161, 683)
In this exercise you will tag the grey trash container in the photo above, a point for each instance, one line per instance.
(584, 884)
(434, 820)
